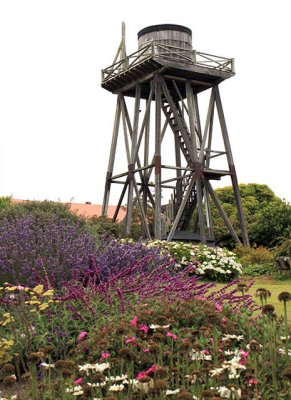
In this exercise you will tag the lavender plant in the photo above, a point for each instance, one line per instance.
(50, 248)
(117, 256)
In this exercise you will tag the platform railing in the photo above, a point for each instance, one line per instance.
(153, 49)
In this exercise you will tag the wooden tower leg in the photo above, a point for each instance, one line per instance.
(231, 167)
(111, 158)
(197, 162)
(157, 161)
(131, 164)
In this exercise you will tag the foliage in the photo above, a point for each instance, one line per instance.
(266, 269)
(261, 208)
(115, 256)
(42, 245)
(99, 226)
(4, 202)
(41, 210)
(273, 224)
(137, 229)
(214, 264)
(253, 255)
(160, 349)
(284, 249)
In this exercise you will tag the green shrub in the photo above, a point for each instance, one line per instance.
(5, 202)
(99, 226)
(40, 210)
(253, 255)
(284, 250)
(259, 269)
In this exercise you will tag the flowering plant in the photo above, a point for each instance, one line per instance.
(213, 263)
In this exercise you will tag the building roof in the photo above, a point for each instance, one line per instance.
(89, 210)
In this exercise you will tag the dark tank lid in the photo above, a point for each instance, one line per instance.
(164, 27)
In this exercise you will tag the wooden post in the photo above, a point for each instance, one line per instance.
(231, 168)
(221, 210)
(111, 158)
(158, 196)
(181, 208)
(132, 160)
(197, 163)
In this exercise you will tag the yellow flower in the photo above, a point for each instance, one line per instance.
(43, 306)
(49, 293)
(11, 288)
(32, 302)
(34, 297)
(33, 310)
(38, 289)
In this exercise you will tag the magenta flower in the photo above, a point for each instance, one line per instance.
(253, 381)
(145, 350)
(172, 335)
(144, 328)
(130, 340)
(105, 355)
(141, 374)
(152, 369)
(133, 322)
(78, 381)
(82, 335)
(218, 307)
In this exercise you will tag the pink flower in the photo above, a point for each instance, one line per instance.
(82, 335)
(253, 381)
(133, 322)
(224, 319)
(78, 381)
(244, 353)
(211, 340)
(140, 375)
(130, 340)
(218, 307)
(144, 328)
(105, 355)
(172, 335)
(152, 369)
(145, 350)
(206, 352)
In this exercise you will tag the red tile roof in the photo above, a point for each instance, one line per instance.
(89, 210)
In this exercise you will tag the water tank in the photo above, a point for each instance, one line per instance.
(173, 42)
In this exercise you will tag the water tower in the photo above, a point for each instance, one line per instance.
(157, 89)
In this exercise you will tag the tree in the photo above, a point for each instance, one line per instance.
(272, 224)
(256, 198)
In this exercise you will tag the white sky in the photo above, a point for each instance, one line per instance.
(56, 121)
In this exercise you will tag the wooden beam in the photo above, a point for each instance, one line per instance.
(182, 207)
(221, 210)
(111, 157)
(209, 117)
(231, 168)
(158, 195)
(132, 160)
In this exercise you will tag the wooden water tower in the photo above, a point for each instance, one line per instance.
(157, 90)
